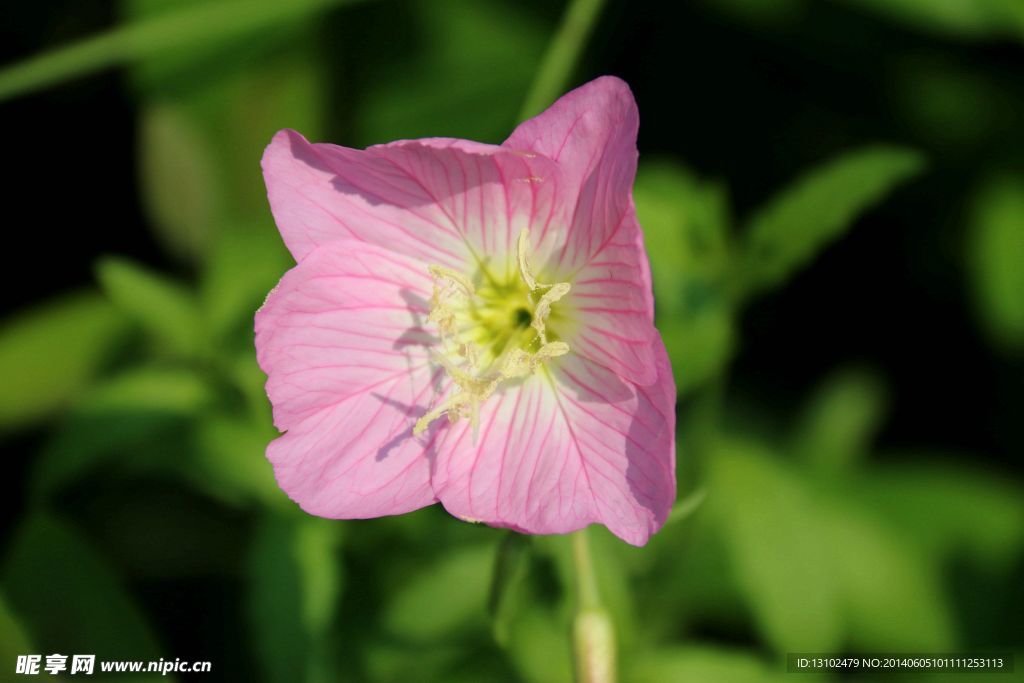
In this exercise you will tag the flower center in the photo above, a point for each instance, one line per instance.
(497, 332)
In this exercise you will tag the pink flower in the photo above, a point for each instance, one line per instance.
(471, 324)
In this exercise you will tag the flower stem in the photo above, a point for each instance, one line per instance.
(561, 56)
(593, 634)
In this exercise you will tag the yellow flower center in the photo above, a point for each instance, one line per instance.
(491, 333)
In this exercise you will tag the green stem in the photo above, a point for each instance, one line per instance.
(197, 25)
(563, 51)
(593, 631)
(587, 594)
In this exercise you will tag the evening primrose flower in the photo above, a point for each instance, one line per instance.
(471, 324)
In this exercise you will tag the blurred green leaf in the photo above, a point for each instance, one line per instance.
(775, 538)
(952, 511)
(761, 15)
(214, 111)
(840, 420)
(686, 507)
(236, 112)
(539, 646)
(892, 597)
(295, 587)
(996, 249)
(115, 418)
(315, 543)
(799, 222)
(702, 663)
(171, 390)
(42, 371)
(562, 54)
(954, 18)
(447, 597)
(699, 347)
(611, 562)
(820, 568)
(460, 68)
(247, 376)
(687, 580)
(508, 582)
(68, 598)
(182, 28)
(685, 224)
(163, 308)
(178, 180)
(229, 462)
(387, 662)
(244, 266)
(956, 105)
(13, 639)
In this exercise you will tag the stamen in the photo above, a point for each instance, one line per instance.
(554, 292)
(449, 288)
(454, 292)
(549, 297)
(524, 263)
(453, 276)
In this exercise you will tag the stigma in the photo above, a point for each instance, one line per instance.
(491, 334)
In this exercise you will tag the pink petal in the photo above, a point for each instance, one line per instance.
(613, 304)
(591, 133)
(346, 357)
(553, 457)
(443, 201)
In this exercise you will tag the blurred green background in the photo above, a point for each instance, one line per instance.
(833, 197)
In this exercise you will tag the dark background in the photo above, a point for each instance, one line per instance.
(750, 95)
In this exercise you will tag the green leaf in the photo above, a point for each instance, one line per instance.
(562, 54)
(951, 511)
(508, 582)
(702, 663)
(230, 464)
(611, 559)
(539, 646)
(699, 347)
(296, 583)
(685, 224)
(242, 269)
(802, 220)
(13, 639)
(42, 371)
(686, 227)
(179, 181)
(247, 376)
(462, 70)
(216, 112)
(773, 533)
(892, 597)
(185, 28)
(68, 598)
(388, 662)
(841, 419)
(995, 249)
(448, 597)
(954, 106)
(820, 569)
(683, 509)
(975, 19)
(163, 308)
(762, 16)
(117, 418)
(235, 113)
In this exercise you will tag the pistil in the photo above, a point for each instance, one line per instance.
(460, 357)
